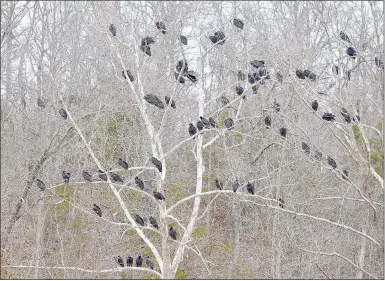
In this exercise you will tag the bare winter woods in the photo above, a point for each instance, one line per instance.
(103, 176)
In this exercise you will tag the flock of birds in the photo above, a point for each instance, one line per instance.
(181, 74)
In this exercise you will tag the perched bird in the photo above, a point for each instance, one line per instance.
(238, 23)
(314, 105)
(213, 38)
(331, 162)
(112, 29)
(344, 37)
(200, 125)
(357, 119)
(122, 163)
(276, 106)
(192, 75)
(181, 79)
(129, 74)
(149, 263)
(172, 232)
(283, 132)
(147, 41)
(183, 40)
(229, 123)
(41, 102)
(345, 175)
(116, 178)
(351, 52)
(250, 188)
(257, 63)
(97, 210)
(154, 100)
(66, 176)
(262, 72)
(255, 89)
(146, 49)
(102, 175)
(241, 76)
(156, 163)
(130, 260)
(120, 261)
(279, 77)
(160, 25)
(158, 195)
(379, 62)
(239, 90)
(40, 184)
(218, 184)
(205, 122)
(182, 66)
(167, 100)
(318, 155)
(309, 74)
(139, 183)
(224, 100)
(328, 116)
(306, 147)
(268, 121)
(235, 185)
(87, 176)
(219, 37)
(335, 69)
(299, 74)
(63, 113)
(139, 261)
(281, 202)
(153, 222)
(139, 220)
(212, 122)
(346, 115)
(192, 130)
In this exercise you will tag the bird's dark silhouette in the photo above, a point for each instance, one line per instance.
(281, 202)
(167, 100)
(129, 74)
(139, 261)
(156, 163)
(346, 115)
(181, 79)
(268, 121)
(153, 222)
(139, 183)
(87, 176)
(351, 52)
(308, 74)
(161, 26)
(218, 184)
(331, 162)
(306, 147)
(283, 132)
(335, 69)
(299, 74)
(218, 38)
(40, 184)
(229, 123)
(200, 125)
(345, 174)
(235, 185)
(224, 100)
(172, 233)
(147, 41)
(66, 176)
(97, 210)
(122, 163)
(183, 40)
(63, 113)
(149, 263)
(120, 261)
(250, 188)
(314, 105)
(41, 102)
(102, 175)
(146, 49)
(344, 37)
(116, 178)
(357, 118)
(379, 63)
(212, 122)
(241, 76)
(182, 66)
(112, 29)
(328, 116)
(205, 122)
(158, 195)
(276, 106)
(192, 130)
(257, 63)
(239, 90)
(130, 260)
(192, 76)
(154, 100)
(238, 23)
(252, 77)
(139, 220)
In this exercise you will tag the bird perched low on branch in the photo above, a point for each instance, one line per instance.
(153, 222)
(130, 260)
(139, 261)
(161, 26)
(314, 105)
(238, 23)
(306, 147)
(66, 176)
(63, 113)
(154, 100)
(158, 195)
(156, 163)
(87, 176)
(250, 188)
(139, 220)
(218, 184)
(332, 163)
(172, 232)
(122, 163)
(97, 210)
(120, 261)
(229, 123)
(139, 183)
(192, 130)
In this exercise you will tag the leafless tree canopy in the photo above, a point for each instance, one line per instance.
(224, 139)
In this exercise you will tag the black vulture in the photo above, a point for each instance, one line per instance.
(97, 210)
(229, 123)
(120, 261)
(314, 105)
(331, 162)
(122, 163)
(158, 195)
(379, 62)
(252, 77)
(224, 100)
(139, 183)
(262, 73)
(167, 100)
(130, 260)
(318, 155)
(212, 122)
(238, 23)
(112, 29)
(87, 176)
(182, 66)
(192, 75)
(309, 74)
(281, 202)
(257, 63)
(279, 77)
(161, 26)
(241, 76)
(146, 49)
(351, 52)
(221, 37)
(328, 116)
(357, 119)
(172, 232)
(183, 40)
(250, 188)
(335, 69)
(192, 130)
(154, 100)
(239, 90)
(153, 222)
(63, 113)
(200, 125)
(116, 178)
(276, 106)
(346, 115)
(345, 175)
(156, 163)
(129, 74)
(306, 147)
(139, 261)
(102, 175)
(213, 39)
(344, 37)
(283, 132)
(40, 184)
(268, 121)
(41, 102)
(139, 220)
(66, 176)
(181, 79)
(235, 185)
(205, 122)
(299, 74)
(149, 263)
(147, 41)
(218, 184)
